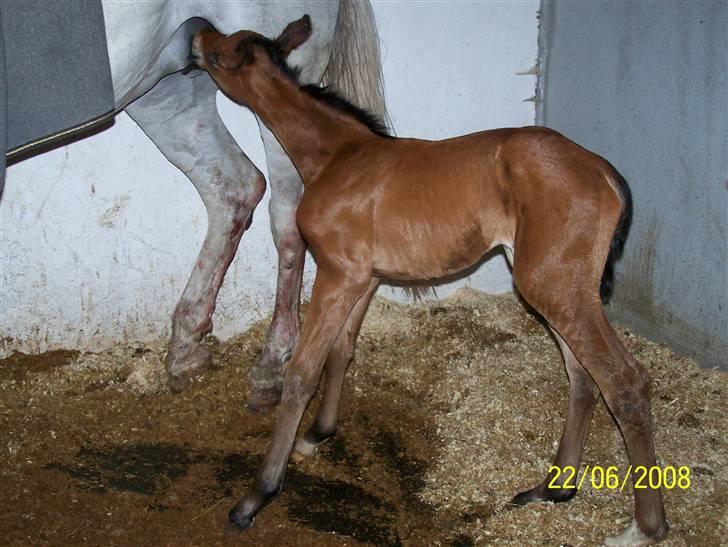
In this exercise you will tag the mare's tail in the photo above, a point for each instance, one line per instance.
(355, 69)
(620, 235)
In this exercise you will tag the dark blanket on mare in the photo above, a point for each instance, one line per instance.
(55, 79)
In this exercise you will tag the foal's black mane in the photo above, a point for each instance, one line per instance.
(322, 94)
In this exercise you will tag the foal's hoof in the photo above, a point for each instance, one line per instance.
(308, 444)
(632, 535)
(238, 521)
(242, 515)
(263, 399)
(182, 368)
(303, 450)
(523, 498)
(542, 493)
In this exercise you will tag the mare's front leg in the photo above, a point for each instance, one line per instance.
(180, 116)
(334, 295)
(266, 376)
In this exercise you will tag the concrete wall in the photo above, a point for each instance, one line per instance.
(97, 238)
(645, 84)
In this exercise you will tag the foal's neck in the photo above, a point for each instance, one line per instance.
(312, 132)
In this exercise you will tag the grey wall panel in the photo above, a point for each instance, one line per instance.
(645, 84)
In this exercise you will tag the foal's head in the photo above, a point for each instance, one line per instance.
(233, 60)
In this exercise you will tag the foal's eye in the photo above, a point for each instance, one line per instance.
(213, 60)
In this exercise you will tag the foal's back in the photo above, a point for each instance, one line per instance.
(432, 208)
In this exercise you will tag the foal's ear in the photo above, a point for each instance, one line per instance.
(294, 35)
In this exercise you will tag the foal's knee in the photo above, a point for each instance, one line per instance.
(298, 387)
(342, 352)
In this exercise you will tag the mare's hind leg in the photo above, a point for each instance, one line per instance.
(266, 376)
(324, 425)
(180, 116)
(583, 395)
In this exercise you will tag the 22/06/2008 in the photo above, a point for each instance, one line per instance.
(653, 477)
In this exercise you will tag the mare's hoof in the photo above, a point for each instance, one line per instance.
(182, 368)
(263, 399)
(266, 379)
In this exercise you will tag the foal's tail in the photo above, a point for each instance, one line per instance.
(354, 69)
(620, 235)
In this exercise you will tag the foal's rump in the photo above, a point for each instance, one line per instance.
(569, 206)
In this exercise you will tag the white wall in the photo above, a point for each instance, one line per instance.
(97, 238)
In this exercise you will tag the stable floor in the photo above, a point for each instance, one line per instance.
(450, 409)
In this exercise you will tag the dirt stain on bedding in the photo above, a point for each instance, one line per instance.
(449, 410)
(19, 365)
(137, 468)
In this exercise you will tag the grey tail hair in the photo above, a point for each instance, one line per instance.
(355, 69)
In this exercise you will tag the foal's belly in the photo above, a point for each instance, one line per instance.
(429, 251)
(437, 208)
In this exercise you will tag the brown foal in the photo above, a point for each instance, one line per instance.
(379, 207)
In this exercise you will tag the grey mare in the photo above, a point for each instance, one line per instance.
(177, 111)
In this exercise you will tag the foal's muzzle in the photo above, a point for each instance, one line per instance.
(195, 48)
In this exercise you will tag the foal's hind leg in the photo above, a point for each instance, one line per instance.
(625, 385)
(583, 395)
(577, 314)
(324, 425)
(180, 116)
(266, 376)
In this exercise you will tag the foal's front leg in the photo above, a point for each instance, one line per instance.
(331, 302)
(324, 425)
